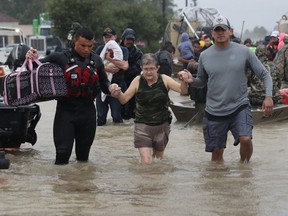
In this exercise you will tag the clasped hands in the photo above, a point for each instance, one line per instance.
(185, 76)
(115, 90)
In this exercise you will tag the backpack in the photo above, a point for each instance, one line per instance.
(163, 62)
(82, 81)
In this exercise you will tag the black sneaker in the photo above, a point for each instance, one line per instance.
(100, 123)
(236, 142)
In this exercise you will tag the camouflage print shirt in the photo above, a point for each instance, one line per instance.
(281, 62)
(257, 90)
(152, 102)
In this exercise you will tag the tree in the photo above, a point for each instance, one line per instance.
(23, 11)
(145, 17)
(64, 12)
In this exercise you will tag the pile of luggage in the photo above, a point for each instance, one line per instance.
(20, 90)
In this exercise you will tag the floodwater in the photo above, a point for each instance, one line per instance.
(113, 182)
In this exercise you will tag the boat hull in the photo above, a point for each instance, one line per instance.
(186, 110)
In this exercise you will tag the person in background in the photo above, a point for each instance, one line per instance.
(153, 118)
(185, 49)
(193, 63)
(248, 43)
(165, 58)
(257, 90)
(198, 95)
(115, 53)
(192, 66)
(197, 50)
(75, 117)
(201, 40)
(223, 67)
(281, 40)
(128, 40)
(117, 70)
(207, 41)
(272, 45)
(281, 62)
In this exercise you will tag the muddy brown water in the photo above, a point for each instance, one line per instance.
(113, 182)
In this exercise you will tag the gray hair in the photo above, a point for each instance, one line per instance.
(149, 58)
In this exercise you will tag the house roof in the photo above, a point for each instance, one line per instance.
(6, 18)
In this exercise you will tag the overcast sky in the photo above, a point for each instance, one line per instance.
(253, 12)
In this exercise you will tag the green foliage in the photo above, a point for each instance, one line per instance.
(147, 17)
(24, 11)
(64, 12)
(144, 17)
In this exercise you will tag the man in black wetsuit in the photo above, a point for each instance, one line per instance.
(75, 117)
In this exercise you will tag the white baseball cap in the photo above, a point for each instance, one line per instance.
(221, 21)
(275, 34)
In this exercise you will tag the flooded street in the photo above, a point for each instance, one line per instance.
(114, 183)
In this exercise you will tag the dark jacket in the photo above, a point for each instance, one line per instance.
(135, 55)
(165, 62)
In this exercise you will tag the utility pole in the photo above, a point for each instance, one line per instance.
(164, 8)
(195, 3)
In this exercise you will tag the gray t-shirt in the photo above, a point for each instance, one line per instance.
(225, 72)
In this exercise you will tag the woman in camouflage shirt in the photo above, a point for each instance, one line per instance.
(152, 116)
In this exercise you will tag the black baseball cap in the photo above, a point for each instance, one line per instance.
(108, 31)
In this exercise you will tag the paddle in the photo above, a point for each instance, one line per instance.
(192, 119)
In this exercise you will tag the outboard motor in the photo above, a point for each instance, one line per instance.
(4, 163)
(17, 56)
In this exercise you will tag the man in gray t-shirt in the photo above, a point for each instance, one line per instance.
(223, 67)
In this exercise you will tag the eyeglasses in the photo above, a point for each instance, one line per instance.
(149, 69)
